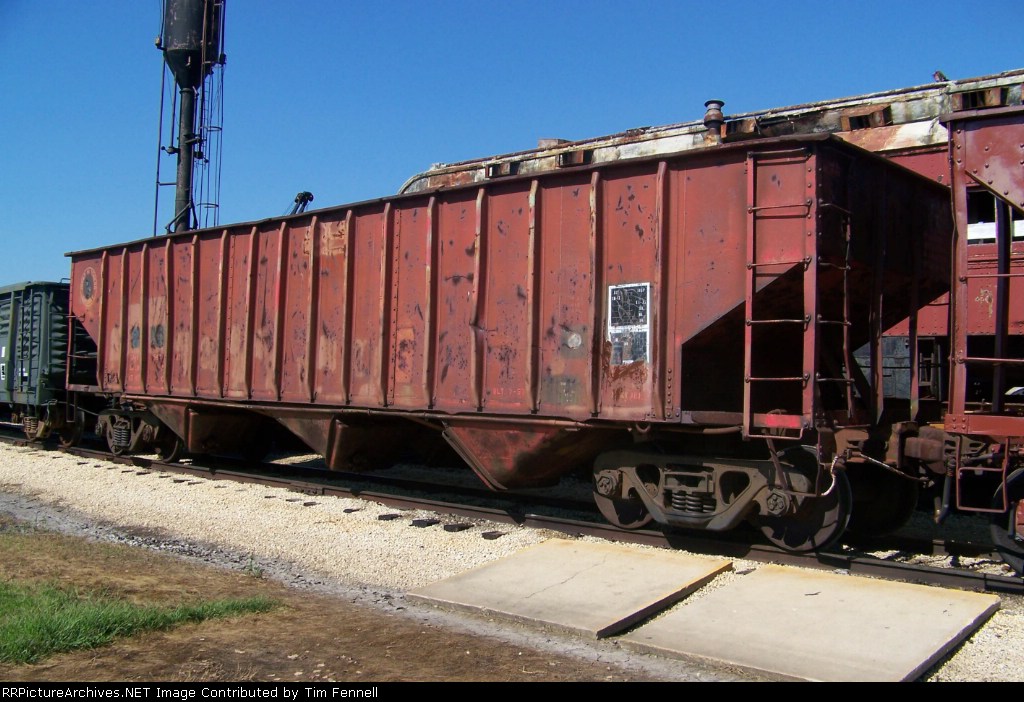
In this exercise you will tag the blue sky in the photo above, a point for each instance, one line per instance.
(347, 100)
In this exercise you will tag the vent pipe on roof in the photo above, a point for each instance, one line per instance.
(713, 120)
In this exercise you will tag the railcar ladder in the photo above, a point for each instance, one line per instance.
(782, 243)
(28, 345)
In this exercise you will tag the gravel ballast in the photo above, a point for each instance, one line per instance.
(340, 545)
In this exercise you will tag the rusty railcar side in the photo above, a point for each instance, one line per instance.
(984, 439)
(987, 151)
(531, 319)
(903, 125)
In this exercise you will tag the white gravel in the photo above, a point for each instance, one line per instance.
(336, 544)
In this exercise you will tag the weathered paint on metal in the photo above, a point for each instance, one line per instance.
(902, 124)
(888, 122)
(987, 153)
(509, 455)
(612, 293)
(33, 345)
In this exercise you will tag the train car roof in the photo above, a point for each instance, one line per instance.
(886, 121)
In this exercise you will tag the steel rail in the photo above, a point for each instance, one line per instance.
(517, 510)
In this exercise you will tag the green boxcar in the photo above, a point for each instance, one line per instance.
(33, 356)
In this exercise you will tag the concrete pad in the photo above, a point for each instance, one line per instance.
(595, 589)
(807, 625)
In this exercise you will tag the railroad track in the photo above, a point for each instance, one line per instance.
(546, 512)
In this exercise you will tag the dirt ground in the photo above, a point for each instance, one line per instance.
(308, 638)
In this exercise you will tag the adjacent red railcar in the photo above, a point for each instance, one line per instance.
(674, 321)
(985, 418)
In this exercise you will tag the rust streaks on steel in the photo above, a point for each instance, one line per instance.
(388, 309)
(250, 330)
(193, 304)
(478, 293)
(662, 363)
(596, 247)
(430, 306)
(221, 310)
(277, 337)
(489, 298)
(141, 350)
(169, 303)
(986, 150)
(345, 351)
(123, 323)
(535, 291)
(315, 236)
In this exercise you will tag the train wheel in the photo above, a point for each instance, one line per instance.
(69, 436)
(623, 512)
(818, 522)
(170, 450)
(1006, 532)
(628, 513)
(882, 501)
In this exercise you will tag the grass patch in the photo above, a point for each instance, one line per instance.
(39, 620)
